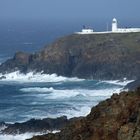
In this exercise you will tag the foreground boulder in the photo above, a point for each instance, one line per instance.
(117, 118)
(96, 56)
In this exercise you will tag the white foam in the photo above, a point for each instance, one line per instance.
(119, 82)
(37, 89)
(66, 93)
(35, 77)
(3, 127)
(18, 137)
(79, 101)
(79, 111)
(74, 111)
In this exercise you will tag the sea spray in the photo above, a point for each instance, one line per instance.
(17, 76)
(21, 136)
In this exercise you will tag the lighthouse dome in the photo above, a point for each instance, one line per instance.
(114, 20)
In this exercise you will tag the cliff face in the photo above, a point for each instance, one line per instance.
(102, 56)
(117, 118)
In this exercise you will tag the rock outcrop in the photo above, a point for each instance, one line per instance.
(98, 56)
(117, 118)
(34, 125)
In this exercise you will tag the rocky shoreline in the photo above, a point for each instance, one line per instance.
(117, 118)
(35, 125)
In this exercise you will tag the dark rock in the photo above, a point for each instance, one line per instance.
(34, 125)
(2, 77)
(102, 56)
(133, 85)
(19, 62)
(117, 118)
(2, 124)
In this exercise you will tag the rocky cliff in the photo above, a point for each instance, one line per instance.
(117, 118)
(100, 56)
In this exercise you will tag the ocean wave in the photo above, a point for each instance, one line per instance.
(118, 82)
(66, 93)
(78, 101)
(3, 127)
(76, 112)
(35, 77)
(22, 136)
(37, 89)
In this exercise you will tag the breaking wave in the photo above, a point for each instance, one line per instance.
(22, 136)
(123, 82)
(17, 137)
(51, 93)
(50, 97)
(35, 77)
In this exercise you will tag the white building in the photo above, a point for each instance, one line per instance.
(115, 28)
(86, 31)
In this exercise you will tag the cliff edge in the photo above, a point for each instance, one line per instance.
(96, 56)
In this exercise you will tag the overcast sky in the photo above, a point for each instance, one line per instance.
(70, 9)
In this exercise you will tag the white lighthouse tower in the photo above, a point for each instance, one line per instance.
(114, 25)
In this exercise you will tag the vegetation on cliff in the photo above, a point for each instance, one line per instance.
(98, 56)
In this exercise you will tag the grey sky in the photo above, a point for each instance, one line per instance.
(70, 9)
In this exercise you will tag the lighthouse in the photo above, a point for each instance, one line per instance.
(114, 25)
(115, 29)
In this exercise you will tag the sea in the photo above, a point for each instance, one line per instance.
(38, 95)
